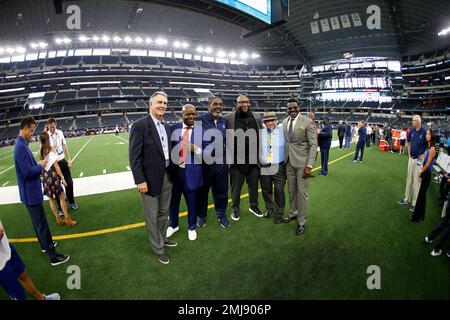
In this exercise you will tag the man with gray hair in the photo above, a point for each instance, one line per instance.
(417, 145)
(149, 154)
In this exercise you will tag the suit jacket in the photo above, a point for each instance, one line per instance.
(325, 136)
(302, 148)
(341, 130)
(28, 174)
(193, 171)
(146, 154)
(230, 121)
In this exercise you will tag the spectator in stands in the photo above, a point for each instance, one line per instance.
(348, 135)
(402, 141)
(58, 142)
(215, 172)
(149, 153)
(245, 163)
(425, 175)
(388, 137)
(273, 172)
(361, 142)
(324, 140)
(13, 277)
(417, 144)
(52, 180)
(341, 133)
(368, 135)
(187, 170)
(301, 147)
(28, 179)
(442, 227)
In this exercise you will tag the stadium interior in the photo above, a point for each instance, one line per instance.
(93, 65)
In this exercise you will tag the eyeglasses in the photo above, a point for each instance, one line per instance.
(242, 102)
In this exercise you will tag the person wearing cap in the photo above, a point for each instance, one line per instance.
(324, 140)
(273, 168)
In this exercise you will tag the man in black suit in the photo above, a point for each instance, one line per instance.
(243, 155)
(341, 133)
(149, 154)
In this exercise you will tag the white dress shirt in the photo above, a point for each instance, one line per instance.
(57, 141)
(5, 251)
(198, 150)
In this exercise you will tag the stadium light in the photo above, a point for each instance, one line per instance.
(127, 39)
(66, 40)
(161, 41)
(43, 45)
(138, 40)
(209, 50)
(21, 49)
(96, 38)
(148, 40)
(243, 55)
(444, 32)
(34, 45)
(255, 55)
(221, 54)
(10, 50)
(185, 45)
(58, 40)
(83, 38)
(177, 44)
(232, 55)
(117, 39)
(200, 49)
(105, 38)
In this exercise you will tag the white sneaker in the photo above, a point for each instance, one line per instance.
(192, 235)
(436, 254)
(53, 296)
(170, 231)
(428, 240)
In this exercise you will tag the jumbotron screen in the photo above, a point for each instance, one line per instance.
(260, 9)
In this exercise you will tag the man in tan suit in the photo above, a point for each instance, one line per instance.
(301, 148)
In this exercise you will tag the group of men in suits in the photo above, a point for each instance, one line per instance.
(203, 153)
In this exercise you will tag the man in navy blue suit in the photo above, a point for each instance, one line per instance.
(149, 154)
(28, 173)
(187, 169)
(215, 172)
(324, 140)
(361, 142)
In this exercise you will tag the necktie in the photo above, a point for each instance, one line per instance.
(290, 129)
(184, 139)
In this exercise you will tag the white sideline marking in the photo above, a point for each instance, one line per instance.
(81, 174)
(6, 157)
(82, 186)
(73, 159)
(7, 169)
(121, 139)
(104, 171)
(128, 168)
(5, 183)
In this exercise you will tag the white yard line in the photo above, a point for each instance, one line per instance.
(81, 174)
(104, 171)
(6, 157)
(122, 139)
(5, 183)
(128, 168)
(73, 159)
(7, 169)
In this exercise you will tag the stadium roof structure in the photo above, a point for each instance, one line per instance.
(317, 30)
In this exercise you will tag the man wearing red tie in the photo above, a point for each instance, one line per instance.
(186, 138)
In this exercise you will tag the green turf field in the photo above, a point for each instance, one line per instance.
(354, 222)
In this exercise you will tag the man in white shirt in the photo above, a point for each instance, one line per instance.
(58, 141)
(13, 277)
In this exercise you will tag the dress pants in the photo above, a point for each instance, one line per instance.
(324, 155)
(419, 209)
(442, 227)
(348, 139)
(41, 229)
(412, 181)
(341, 139)
(273, 189)
(239, 174)
(65, 170)
(298, 193)
(156, 212)
(215, 177)
(359, 148)
(180, 188)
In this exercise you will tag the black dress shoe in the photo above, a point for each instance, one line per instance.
(288, 219)
(278, 220)
(300, 230)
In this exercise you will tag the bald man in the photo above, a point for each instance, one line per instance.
(417, 144)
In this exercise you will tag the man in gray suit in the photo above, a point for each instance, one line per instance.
(149, 153)
(243, 154)
(301, 148)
